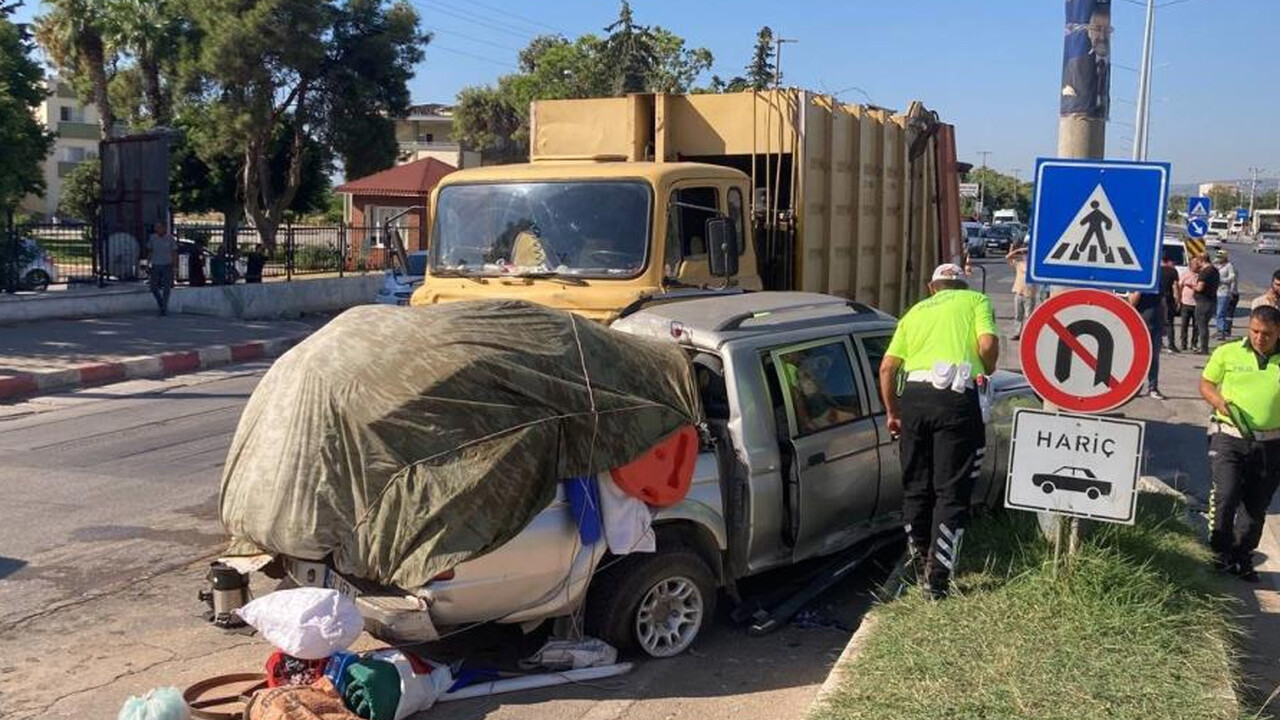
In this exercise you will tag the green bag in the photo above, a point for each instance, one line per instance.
(372, 690)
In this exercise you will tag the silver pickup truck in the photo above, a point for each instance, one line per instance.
(797, 464)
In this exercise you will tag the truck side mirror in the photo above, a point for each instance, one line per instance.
(722, 247)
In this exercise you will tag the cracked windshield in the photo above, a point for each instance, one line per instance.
(587, 229)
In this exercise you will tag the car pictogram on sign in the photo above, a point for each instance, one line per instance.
(1072, 479)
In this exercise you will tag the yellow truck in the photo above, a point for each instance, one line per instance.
(653, 197)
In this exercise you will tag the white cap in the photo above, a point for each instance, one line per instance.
(948, 271)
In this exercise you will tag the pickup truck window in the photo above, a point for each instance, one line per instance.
(818, 383)
(875, 347)
(587, 229)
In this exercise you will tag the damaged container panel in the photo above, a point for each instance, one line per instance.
(849, 200)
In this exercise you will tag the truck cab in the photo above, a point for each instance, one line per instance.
(590, 237)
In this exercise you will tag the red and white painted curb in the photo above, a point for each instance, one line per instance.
(153, 366)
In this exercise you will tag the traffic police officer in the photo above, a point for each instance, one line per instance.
(930, 379)
(1242, 383)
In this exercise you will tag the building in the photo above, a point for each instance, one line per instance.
(77, 127)
(427, 132)
(1218, 187)
(375, 200)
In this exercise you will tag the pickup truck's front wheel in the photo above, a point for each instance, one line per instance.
(654, 603)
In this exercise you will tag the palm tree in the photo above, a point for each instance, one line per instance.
(146, 30)
(73, 35)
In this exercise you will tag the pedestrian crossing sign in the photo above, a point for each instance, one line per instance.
(1098, 223)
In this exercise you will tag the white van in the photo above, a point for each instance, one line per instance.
(1004, 216)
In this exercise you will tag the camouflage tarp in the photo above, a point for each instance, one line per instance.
(407, 440)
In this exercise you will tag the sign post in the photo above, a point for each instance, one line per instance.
(1097, 224)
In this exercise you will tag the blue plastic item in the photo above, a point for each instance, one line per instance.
(585, 505)
(336, 670)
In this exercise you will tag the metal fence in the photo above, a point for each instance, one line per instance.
(37, 255)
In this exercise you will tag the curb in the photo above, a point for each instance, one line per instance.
(176, 363)
(840, 668)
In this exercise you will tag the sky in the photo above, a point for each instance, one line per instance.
(992, 68)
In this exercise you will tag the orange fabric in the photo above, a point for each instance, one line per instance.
(318, 701)
(662, 476)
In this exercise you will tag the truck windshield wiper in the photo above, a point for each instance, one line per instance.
(567, 280)
(446, 272)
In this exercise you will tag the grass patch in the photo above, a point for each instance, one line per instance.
(1136, 627)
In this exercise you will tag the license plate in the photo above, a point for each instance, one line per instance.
(314, 574)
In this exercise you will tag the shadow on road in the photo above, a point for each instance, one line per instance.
(9, 566)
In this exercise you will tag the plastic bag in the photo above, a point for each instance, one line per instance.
(421, 681)
(163, 703)
(307, 623)
(572, 655)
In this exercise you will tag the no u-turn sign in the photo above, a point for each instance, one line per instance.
(1086, 351)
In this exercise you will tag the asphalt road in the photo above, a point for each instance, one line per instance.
(111, 516)
(112, 484)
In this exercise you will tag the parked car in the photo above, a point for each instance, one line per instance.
(1267, 243)
(1000, 237)
(797, 463)
(40, 271)
(399, 284)
(973, 239)
(1072, 479)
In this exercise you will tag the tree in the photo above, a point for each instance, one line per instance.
(631, 51)
(205, 176)
(761, 72)
(677, 68)
(1000, 191)
(494, 120)
(25, 142)
(485, 121)
(150, 31)
(74, 36)
(82, 192)
(326, 71)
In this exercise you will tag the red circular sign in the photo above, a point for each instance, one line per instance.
(1086, 350)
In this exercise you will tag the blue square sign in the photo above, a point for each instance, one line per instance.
(1098, 223)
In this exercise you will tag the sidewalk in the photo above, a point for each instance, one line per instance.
(53, 355)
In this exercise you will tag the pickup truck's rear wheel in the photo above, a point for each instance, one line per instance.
(657, 604)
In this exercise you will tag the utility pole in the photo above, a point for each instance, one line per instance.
(982, 185)
(1082, 116)
(1142, 120)
(777, 61)
(1253, 189)
(1085, 100)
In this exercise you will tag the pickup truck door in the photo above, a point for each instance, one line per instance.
(833, 469)
(872, 347)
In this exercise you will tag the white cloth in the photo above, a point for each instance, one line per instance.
(417, 692)
(306, 622)
(628, 526)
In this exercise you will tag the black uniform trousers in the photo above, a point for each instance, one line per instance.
(942, 445)
(1245, 476)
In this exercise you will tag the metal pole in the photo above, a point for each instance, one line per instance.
(982, 185)
(1253, 189)
(1144, 87)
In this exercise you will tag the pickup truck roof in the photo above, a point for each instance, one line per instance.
(588, 170)
(713, 321)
